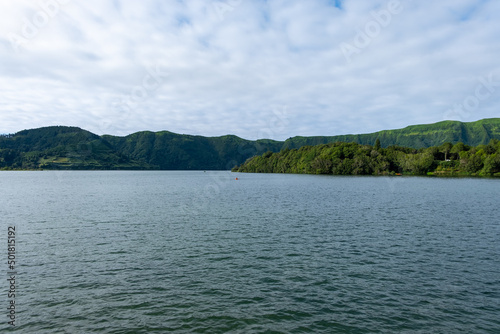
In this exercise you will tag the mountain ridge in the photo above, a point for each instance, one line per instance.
(69, 147)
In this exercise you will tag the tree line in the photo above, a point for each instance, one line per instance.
(356, 159)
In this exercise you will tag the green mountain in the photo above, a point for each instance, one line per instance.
(416, 136)
(61, 147)
(171, 151)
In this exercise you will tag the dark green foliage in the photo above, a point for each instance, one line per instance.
(356, 159)
(170, 151)
(470, 161)
(492, 164)
(445, 149)
(59, 147)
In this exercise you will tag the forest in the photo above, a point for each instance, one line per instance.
(356, 159)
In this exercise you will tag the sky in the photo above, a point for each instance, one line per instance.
(253, 68)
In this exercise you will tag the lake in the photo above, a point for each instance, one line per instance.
(202, 252)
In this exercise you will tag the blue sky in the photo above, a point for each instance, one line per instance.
(256, 69)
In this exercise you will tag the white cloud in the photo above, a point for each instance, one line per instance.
(231, 64)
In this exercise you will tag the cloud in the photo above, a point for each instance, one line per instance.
(225, 67)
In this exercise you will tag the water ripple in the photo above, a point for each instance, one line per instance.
(274, 254)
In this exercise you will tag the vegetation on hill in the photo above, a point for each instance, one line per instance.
(61, 147)
(416, 136)
(167, 150)
(356, 159)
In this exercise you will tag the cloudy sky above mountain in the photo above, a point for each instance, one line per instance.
(253, 68)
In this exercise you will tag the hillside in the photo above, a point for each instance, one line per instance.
(357, 159)
(170, 151)
(416, 136)
(61, 147)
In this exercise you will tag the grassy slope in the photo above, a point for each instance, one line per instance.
(416, 136)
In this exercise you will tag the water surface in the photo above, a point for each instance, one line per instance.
(195, 252)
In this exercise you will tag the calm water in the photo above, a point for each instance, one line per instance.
(195, 252)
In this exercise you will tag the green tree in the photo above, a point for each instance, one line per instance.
(446, 148)
(418, 164)
(457, 148)
(470, 162)
(491, 165)
(322, 166)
